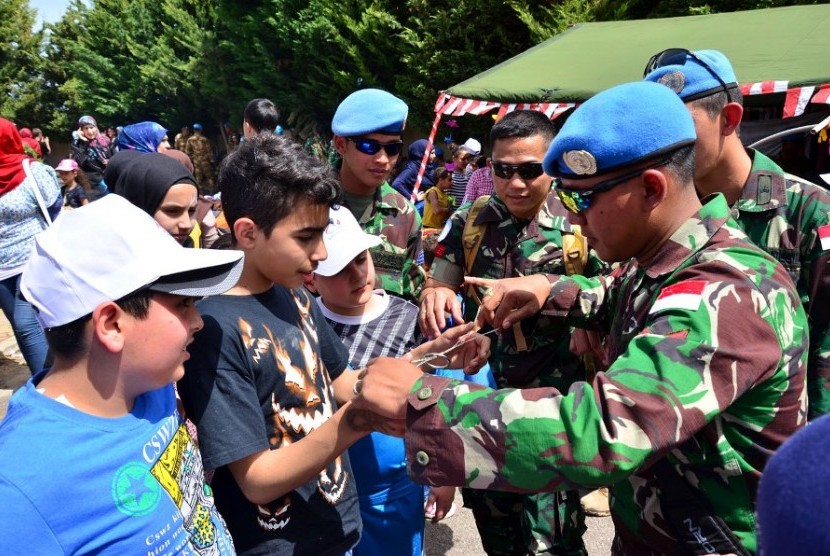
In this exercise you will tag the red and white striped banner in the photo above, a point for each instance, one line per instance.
(448, 105)
(796, 101)
(764, 87)
(822, 96)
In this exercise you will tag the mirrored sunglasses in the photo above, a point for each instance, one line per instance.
(372, 147)
(579, 200)
(677, 57)
(526, 170)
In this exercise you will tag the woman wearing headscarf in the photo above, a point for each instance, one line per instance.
(30, 143)
(29, 191)
(92, 150)
(145, 137)
(160, 186)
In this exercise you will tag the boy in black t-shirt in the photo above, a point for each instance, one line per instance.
(267, 373)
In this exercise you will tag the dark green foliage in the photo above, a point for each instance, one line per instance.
(181, 61)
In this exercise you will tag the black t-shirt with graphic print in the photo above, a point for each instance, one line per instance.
(259, 377)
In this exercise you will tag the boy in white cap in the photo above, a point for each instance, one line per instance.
(372, 323)
(367, 128)
(97, 458)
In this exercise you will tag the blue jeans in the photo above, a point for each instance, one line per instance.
(23, 318)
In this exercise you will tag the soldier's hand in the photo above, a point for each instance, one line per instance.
(364, 420)
(510, 300)
(437, 303)
(472, 351)
(382, 388)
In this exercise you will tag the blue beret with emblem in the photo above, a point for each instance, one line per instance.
(370, 111)
(619, 127)
(694, 75)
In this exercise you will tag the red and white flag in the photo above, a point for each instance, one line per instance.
(824, 236)
(683, 295)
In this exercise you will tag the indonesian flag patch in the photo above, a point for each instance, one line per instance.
(683, 295)
(824, 236)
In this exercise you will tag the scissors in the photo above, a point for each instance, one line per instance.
(439, 360)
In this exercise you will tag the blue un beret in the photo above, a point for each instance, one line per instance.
(370, 111)
(794, 495)
(685, 75)
(620, 127)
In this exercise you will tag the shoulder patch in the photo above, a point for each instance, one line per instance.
(683, 295)
(824, 236)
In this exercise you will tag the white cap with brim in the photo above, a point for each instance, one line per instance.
(109, 249)
(344, 240)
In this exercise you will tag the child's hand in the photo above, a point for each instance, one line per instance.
(472, 351)
(441, 498)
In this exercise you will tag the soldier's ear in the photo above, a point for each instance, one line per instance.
(340, 144)
(654, 188)
(731, 118)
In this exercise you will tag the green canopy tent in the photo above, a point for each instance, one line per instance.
(781, 54)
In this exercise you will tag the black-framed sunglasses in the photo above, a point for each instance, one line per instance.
(372, 147)
(677, 57)
(579, 200)
(526, 170)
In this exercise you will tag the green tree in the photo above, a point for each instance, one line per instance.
(20, 63)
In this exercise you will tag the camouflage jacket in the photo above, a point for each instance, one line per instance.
(516, 248)
(783, 214)
(197, 147)
(397, 259)
(710, 350)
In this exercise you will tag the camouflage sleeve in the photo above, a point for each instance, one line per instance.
(448, 266)
(584, 301)
(683, 369)
(814, 286)
(413, 273)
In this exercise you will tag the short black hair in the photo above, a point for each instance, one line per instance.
(521, 124)
(67, 340)
(714, 103)
(682, 164)
(262, 114)
(267, 176)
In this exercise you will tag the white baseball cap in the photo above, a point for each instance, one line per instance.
(344, 240)
(108, 249)
(472, 146)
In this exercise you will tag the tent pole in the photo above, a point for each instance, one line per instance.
(430, 140)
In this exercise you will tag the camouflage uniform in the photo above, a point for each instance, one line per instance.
(710, 382)
(396, 259)
(508, 523)
(180, 141)
(782, 214)
(198, 149)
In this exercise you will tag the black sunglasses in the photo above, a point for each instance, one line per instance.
(677, 57)
(579, 200)
(526, 170)
(372, 147)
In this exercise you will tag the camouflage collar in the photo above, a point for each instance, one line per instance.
(496, 211)
(766, 188)
(691, 236)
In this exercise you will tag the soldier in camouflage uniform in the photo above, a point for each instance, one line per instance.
(523, 227)
(783, 214)
(706, 332)
(200, 152)
(181, 138)
(367, 130)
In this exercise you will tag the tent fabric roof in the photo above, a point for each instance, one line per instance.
(778, 44)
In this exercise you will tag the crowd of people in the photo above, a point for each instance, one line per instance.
(277, 359)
